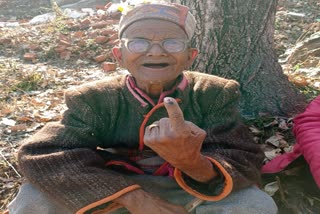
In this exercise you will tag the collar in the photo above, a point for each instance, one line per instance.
(142, 97)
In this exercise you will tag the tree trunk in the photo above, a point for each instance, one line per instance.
(235, 39)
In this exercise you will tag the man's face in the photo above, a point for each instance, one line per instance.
(155, 65)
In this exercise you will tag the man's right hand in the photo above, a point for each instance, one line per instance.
(141, 202)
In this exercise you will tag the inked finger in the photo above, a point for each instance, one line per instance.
(174, 112)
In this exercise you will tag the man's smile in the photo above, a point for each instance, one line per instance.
(156, 65)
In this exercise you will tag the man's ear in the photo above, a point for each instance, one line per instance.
(192, 55)
(116, 51)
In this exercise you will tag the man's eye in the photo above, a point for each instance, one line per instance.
(174, 45)
(138, 45)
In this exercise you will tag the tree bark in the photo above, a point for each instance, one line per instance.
(235, 39)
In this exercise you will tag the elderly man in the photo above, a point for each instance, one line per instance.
(148, 142)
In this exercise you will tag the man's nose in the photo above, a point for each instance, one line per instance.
(156, 50)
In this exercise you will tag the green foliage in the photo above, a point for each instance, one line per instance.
(60, 25)
(297, 67)
(91, 44)
(29, 82)
(17, 79)
(277, 25)
(59, 21)
(310, 92)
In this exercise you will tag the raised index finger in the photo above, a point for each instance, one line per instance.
(175, 114)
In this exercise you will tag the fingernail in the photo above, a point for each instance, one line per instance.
(168, 100)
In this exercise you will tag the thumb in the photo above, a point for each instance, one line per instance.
(174, 112)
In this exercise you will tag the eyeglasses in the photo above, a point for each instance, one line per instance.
(143, 45)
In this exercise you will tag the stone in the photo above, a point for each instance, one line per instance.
(113, 42)
(79, 34)
(101, 39)
(29, 56)
(92, 34)
(5, 41)
(108, 32)
(85, 22)
(100, 7)
(100, 58)
(99, 25)
(109, 66)
(34, 47)
(60, 48)
(64, 42)
(66, 55)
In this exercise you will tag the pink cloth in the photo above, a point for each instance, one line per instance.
(307, 133)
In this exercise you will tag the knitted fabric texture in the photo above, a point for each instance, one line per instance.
(64, 162)
(175, 13)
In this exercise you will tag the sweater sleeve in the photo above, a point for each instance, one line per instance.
(229, 146)
(62, 160)
(307, 133)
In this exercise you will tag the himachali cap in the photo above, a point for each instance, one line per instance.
(175, 13)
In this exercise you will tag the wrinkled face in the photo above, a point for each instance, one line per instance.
(155, 64)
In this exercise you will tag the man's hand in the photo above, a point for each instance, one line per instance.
(141, 202)
(179, 142)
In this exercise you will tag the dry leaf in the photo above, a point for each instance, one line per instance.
(283, 125)
(256, 139)
(8, 122)
(288, 149)
(283, 144)
(17, 128)
(310, 200)
(272, 153)
(47, 117)
(275, 140)
(275, 122)
(37, 102)
(9, 185)
(33, 127)
(271, 188)
(254, 130)
(25, 119)
(6, 111)
(300, 81)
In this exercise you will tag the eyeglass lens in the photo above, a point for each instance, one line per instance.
(169, 45)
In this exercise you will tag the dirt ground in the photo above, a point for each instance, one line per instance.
(23, 9)
(38, 62)
(29, 8)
